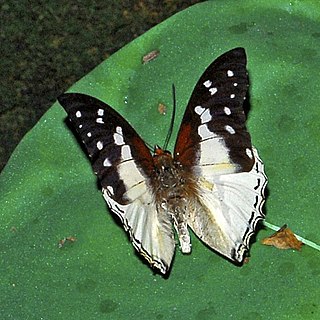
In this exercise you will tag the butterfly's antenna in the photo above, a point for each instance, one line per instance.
(172, 118)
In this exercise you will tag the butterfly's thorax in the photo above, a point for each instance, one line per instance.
(173, 192)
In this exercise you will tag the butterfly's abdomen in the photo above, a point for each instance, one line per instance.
(173, 195)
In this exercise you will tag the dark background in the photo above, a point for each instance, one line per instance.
(46, 46)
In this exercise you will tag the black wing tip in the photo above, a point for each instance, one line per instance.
(67, 98)
(239, 49)
(234, 56)
(236, 53)
(72, 100)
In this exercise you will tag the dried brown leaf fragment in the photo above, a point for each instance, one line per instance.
(284, 238)
(63, 241)
(150, 56)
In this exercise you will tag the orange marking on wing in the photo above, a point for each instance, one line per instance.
(144, 154)
(183, 140)
(185, 150)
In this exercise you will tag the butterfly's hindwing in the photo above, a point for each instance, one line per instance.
(230, 208)
(151, 233)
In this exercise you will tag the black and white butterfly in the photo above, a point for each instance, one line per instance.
(214, 182)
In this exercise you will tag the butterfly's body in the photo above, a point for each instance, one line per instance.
(213, 182)
(174, 194)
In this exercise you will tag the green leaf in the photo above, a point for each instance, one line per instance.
(48, 191)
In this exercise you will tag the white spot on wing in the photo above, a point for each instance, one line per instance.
(249, 153)
(230, 73)
(227, 111)
(78, 114)
(110, 190)
(107, 163)
(232, 96)
(100, 112)
(99, 145)
(213, 91)
(117, 137)
(198, 110)
(235, 84)
(100, 120)
(230, 129)
(204, 132)
(207, 84)
(89, 134)
(130, 174)
(119, 130)
(209, 158)
(206, 116)
(80, 126)
(126, 152)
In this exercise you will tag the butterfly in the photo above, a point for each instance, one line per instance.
(213, 182)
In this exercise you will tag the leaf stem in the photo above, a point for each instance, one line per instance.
(305, 241)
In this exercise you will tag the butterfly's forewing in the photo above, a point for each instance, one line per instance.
(213, 132)
(124, 167)
(214, 145)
